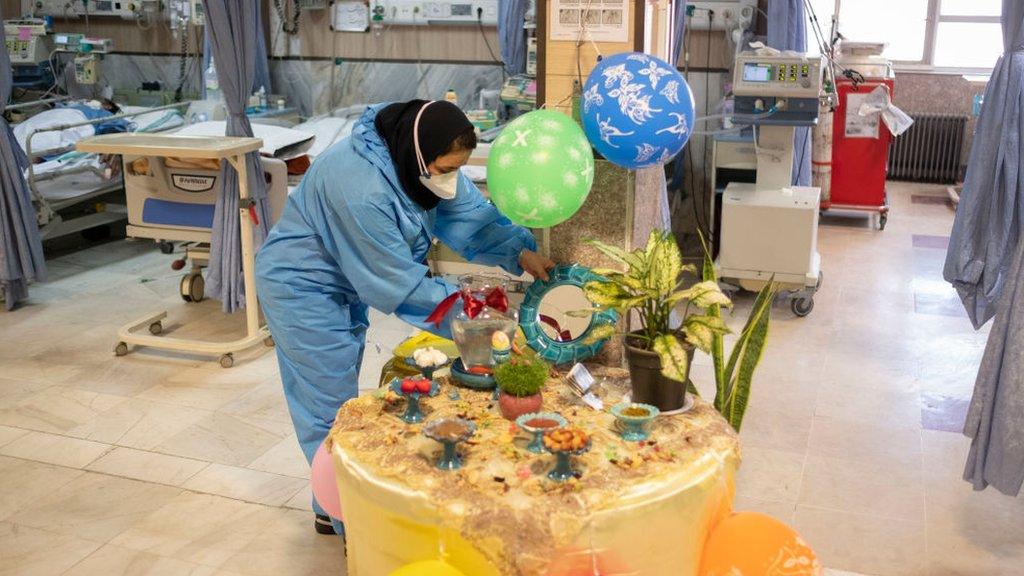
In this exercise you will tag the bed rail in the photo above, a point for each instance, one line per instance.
(46, 210)
(34, 103)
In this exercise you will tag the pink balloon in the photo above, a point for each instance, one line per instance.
(325, 485)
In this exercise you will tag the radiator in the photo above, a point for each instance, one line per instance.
(930, 151)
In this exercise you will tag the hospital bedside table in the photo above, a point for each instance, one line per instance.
(232, 150)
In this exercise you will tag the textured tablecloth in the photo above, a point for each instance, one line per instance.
(637, 508)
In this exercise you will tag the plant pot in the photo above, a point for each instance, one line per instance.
(650, 386)
(513, 407)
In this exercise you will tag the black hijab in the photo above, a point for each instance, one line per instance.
(441, 122)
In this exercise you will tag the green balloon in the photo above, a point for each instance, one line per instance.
(540, 169)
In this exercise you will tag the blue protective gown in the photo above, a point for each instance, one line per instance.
(350, 238)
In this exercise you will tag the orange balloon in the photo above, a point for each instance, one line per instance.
(752, 544)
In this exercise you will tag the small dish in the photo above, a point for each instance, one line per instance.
(449, 432)
(531, 424)
(426, 371)
(412, 413)
(470, 380)
(635, 419)
(563, 467)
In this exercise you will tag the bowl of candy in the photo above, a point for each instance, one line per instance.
(413, 389)
(634, 420)
(449, 432)
(563, 443)
(537, 423)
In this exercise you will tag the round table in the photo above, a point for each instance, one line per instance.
(636, 508)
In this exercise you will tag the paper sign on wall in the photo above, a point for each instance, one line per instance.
(597, 20)
(350, 16)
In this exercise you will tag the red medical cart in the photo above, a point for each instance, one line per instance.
(860, 144)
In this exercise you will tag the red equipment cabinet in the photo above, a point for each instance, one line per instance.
(860, 151)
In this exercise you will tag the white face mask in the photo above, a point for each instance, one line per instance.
(444, 186)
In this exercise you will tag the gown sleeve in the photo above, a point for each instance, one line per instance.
(474, 228)
(366, 242)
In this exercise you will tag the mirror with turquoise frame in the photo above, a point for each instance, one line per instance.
(555, 335)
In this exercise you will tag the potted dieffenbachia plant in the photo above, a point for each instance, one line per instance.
(659, 353)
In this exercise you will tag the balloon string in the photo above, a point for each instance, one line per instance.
(584, 30)
(562, 101)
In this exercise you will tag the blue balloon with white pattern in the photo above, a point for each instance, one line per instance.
(637, 110)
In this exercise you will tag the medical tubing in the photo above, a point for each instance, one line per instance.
(733, 130)
(734, 117)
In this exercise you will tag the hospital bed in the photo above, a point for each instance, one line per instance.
(67, 186)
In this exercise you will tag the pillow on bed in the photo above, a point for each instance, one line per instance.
(48, 139)
(328, 130)
(278, 142)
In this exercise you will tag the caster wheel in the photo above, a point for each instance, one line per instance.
(121, 349)
(802, 306)
(156, 328)
(193, 287)
(268, 341)
(227, 360)
(821, 277)
(167, 247)
(882, 219)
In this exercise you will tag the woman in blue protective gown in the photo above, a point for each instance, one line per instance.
(355, 234)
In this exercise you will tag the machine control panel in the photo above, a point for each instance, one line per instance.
(76, 8)
(778, 76)
(25, 41)
(416, 12)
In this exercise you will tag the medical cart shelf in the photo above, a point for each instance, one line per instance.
(232, 150)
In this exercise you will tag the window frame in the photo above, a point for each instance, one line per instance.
(932, 20)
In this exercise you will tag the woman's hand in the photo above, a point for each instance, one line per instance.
(535, 264)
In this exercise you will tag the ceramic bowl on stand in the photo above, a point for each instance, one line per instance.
(563, 466)
(537, 423)
(635, 420)
(426, 371)
(413, 413)
(449, 432)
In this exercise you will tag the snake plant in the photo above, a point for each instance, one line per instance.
(651, 286)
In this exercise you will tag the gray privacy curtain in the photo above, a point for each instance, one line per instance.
(787, 30)
(678, 30)
(21, 250)
(988, 217)
(233, 29)
(511, 37)
(262, 76)
(985, 263)
(995, 420)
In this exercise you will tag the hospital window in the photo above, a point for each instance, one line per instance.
(944, 35)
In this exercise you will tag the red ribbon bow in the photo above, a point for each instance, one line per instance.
(496, 299)
(563, 335)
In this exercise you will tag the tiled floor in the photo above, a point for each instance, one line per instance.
(161, 464)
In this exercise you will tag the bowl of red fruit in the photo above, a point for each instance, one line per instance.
(413, 389)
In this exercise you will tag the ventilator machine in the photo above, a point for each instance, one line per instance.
(770, 228)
